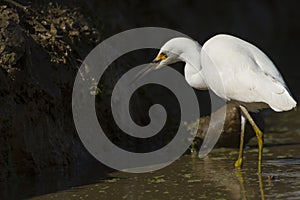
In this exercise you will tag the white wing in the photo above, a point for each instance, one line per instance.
(246, 74)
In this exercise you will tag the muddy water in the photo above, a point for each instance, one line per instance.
(213, 177)
(187, 178)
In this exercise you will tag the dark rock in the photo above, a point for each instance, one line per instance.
(230, 136)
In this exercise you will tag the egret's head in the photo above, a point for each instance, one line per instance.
(170, 52)
(175, 50)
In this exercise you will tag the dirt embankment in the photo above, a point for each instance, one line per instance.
(41, 49)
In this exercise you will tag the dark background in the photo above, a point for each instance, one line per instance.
(273, 26)
(36, 124)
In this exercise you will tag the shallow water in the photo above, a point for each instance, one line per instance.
(211, 178)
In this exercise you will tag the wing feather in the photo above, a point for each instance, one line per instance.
(248, 75)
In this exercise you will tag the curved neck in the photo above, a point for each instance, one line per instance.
(194, 77)
(192, 69)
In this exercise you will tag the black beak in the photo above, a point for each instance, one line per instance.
(156, 61)
(145, 71)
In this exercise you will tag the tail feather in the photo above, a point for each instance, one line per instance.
(281, 101)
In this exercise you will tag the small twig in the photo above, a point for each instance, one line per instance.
(16, 4)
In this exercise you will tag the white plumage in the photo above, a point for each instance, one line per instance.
(236, 71)
(249, 75)
(233, 69)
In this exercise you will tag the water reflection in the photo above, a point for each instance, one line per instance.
(222, 173)
(212, 178)
(187, 178)
(240, 177)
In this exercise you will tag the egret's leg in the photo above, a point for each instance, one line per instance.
(259, 135)
(239, 162)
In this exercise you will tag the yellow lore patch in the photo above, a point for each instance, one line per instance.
(161, 56)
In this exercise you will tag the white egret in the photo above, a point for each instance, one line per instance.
(248, 77)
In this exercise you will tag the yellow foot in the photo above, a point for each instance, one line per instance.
(238, 164)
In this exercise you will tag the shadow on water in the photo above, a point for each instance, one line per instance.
(190, 177)
(53, 180)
